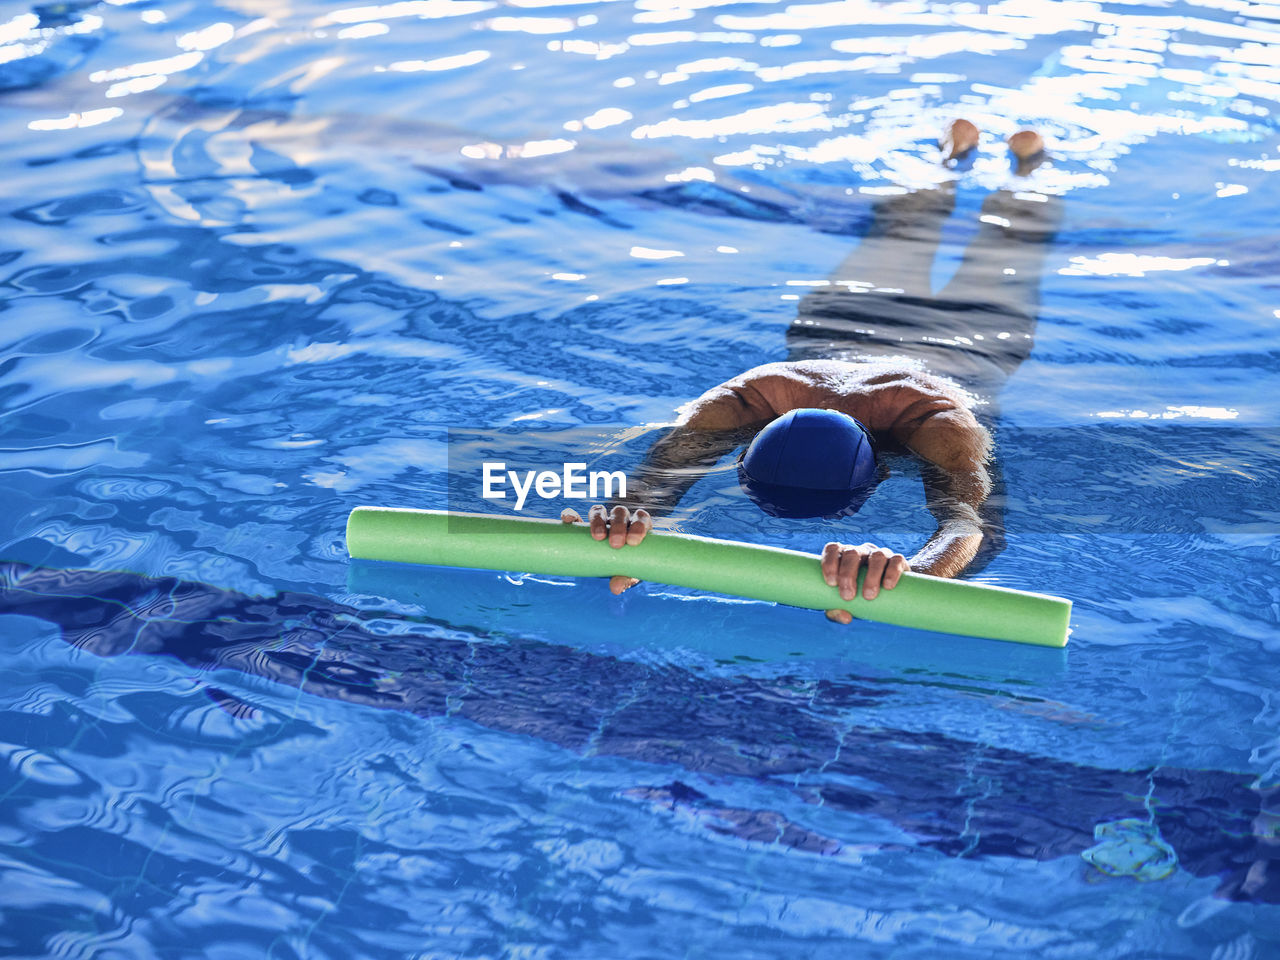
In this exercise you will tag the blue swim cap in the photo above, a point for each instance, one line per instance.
(809, 463)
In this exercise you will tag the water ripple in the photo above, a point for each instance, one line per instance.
(258, 261)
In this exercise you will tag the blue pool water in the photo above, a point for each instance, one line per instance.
(259, 257)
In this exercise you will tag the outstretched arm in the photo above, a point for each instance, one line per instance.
(955, 448)
(708, 428)
(675, 462)
(678, 459)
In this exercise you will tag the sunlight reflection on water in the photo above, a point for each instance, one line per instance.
(262, 256)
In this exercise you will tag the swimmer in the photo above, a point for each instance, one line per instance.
(876, 361)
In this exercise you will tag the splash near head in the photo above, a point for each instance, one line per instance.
(809, 463)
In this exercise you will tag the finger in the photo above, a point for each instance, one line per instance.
(619, 585)
(850, 561)
(893, 573)
(876, 563)
(830, 563)
(638, 529)
(618, 527)
(599, 522)
(840, 616)
(570, 515)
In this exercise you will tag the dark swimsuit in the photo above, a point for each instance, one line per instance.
(974, 343)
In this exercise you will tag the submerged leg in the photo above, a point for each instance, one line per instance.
(877, 303)
(859, 311)
(1002, 265)
(896, 254)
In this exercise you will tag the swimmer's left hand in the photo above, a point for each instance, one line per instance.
(841, 563)
(621, 527)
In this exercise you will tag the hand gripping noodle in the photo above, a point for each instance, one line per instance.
(718, 566)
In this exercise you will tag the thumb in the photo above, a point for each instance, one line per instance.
(619, 585)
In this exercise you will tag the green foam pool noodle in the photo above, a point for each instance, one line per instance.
(718, 566)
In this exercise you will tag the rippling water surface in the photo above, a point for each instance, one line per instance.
(258, 256)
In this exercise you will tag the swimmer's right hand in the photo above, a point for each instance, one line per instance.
(620, 526)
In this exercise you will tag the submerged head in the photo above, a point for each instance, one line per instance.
(809, 463)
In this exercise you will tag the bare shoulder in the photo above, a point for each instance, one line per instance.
(892, 397)
(753, 397)
(850, 376)
(725, 407)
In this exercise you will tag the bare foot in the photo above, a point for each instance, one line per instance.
(961, 137)
(1028, 147)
